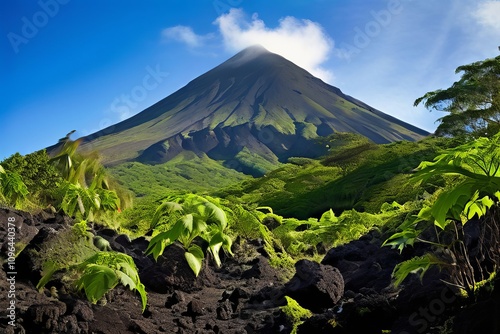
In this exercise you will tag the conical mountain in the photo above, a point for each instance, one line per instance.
(256, 104)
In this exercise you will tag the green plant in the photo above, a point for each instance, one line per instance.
(99, 273)
(182, 221)
(12, 187)
(295, 313)
(105, 270)
(417, 264)
(86, 189)
(86, 202)
(472, 103)
(38, 174)
(473, 193)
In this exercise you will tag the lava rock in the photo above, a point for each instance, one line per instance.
(364, 263)
(315, 286)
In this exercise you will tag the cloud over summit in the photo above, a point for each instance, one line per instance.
(303, 42)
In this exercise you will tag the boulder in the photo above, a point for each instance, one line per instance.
(364, 263)
(315, 286)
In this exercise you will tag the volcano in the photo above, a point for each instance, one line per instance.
(256, 105)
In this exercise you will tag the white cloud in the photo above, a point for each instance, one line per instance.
(303, 42)
(184, 34)
(488, 15)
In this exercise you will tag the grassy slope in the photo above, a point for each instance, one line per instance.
(186, 173)
(357, 174)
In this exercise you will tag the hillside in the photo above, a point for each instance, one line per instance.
(356, 173)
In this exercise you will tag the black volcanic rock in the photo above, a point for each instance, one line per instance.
(256, 100)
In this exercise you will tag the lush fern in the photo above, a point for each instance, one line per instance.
(12, 188)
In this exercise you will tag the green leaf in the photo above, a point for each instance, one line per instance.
(414, 265)
(125, 280)
(215, 245)
(104, 270)
(450, 203)
(402, 239)
(478, 206)
(96, 280)
(165, 209)
(215, 215)
(142, 292)
(187, 223)
(49, 269)
(158, 243)
(194, 256)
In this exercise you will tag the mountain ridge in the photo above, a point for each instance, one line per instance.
(256, 100)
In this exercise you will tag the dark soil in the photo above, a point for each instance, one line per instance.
(349, 292)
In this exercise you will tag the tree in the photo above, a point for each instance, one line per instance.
(472, 103)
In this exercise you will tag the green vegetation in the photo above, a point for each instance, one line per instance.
(37, 173)
(295, 313)
(185, 173)
(12, 188)
(103, 271)
(472, 103)
(416, 192)
(185, 218)
(355, 174)
(473, 190)
(85, 267)
(86, 189)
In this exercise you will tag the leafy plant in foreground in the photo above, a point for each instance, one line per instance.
(185, 219)
(105, 270)
(100, 273)
(474, 193)
(86, 188)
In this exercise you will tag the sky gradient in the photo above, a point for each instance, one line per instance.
(84, 65)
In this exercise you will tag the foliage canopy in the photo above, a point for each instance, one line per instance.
(472, 103)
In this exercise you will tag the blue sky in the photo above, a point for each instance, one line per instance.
(83, 65)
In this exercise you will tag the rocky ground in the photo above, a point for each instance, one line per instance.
(350, 291)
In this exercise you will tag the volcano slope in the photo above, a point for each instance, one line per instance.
(257, 108)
